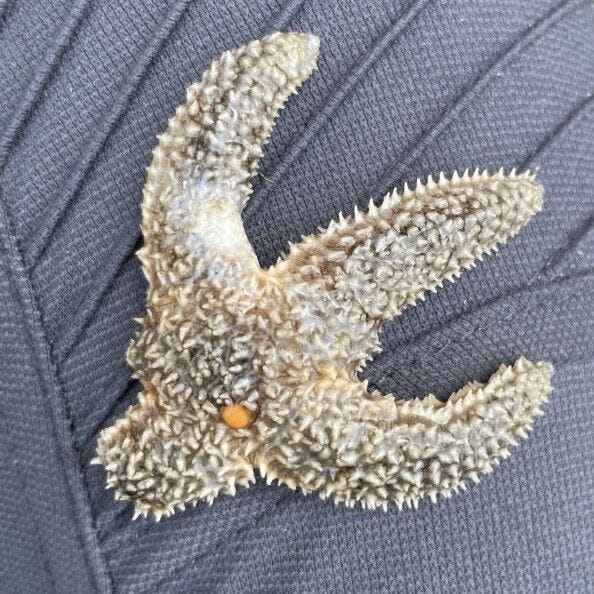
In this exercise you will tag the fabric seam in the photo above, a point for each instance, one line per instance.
(68, 454)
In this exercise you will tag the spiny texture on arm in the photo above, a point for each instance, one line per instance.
(244, 368)
(376, 450)
(385, 259)
(370, 266)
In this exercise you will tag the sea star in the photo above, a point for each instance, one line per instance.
(244, 367)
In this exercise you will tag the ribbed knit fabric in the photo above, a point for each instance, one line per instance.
(405, 88)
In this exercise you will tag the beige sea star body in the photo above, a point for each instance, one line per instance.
(246, 368)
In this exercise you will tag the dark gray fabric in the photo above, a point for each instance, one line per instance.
(405, 88)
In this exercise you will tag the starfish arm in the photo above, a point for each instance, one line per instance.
(381, 261)
(377, 450)
(199, 178)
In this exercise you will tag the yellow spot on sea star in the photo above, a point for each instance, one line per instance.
(237, 416)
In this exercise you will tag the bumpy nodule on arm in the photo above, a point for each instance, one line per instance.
(246, 369)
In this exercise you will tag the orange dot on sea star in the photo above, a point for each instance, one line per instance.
(237, 416)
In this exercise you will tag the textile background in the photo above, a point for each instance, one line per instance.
(405, 88)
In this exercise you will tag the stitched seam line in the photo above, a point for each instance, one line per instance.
(288, 12)
(565, 126)
(579, 111)
(64, 348)
(573, 117)
(337, 96)
(532, 310)
(96, 566)
(104, 282)
(39, 241)
(64, 441)
(122, 393)
(524, 40)
(283, 498)
(40, 79)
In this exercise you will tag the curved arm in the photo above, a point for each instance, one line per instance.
(375, 449)
(198, 181)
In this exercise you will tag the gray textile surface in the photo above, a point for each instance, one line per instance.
(405, 88)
